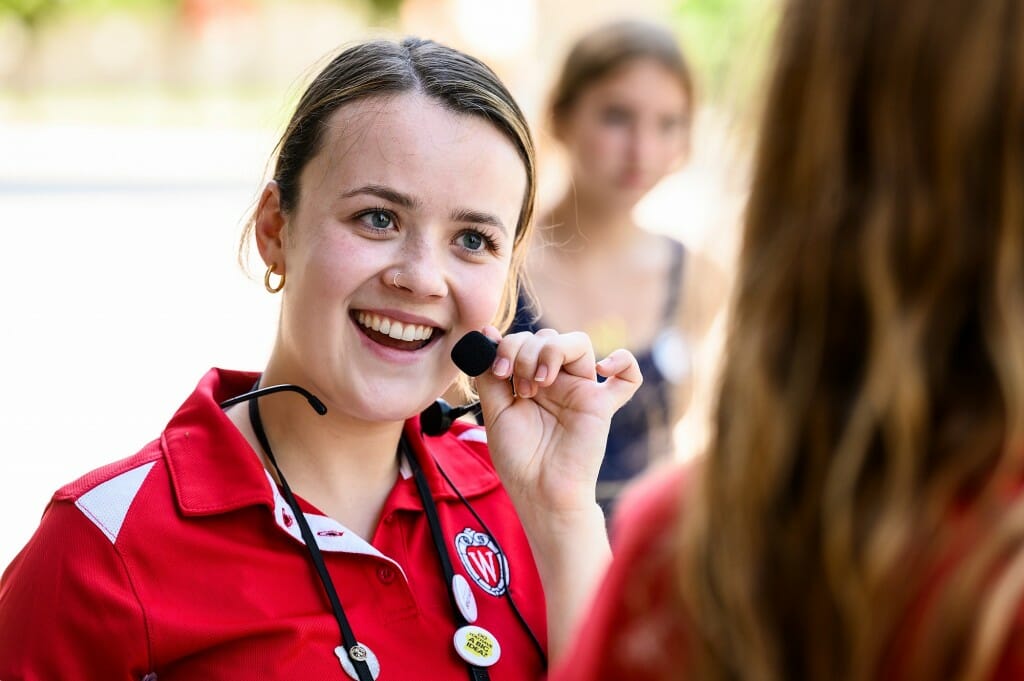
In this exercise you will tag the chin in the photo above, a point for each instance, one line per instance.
(388, 407)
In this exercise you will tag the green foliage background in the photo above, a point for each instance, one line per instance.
(35, 12)
(729, 43)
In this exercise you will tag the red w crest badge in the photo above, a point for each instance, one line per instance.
(483, 561)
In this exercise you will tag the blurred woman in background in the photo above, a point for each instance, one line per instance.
(859, 514)
(622, 109)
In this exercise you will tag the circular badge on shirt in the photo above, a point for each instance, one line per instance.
(464, 598)
(359, 652)
(477, 646)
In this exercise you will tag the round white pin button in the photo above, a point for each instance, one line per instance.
(359, 652)
(477, 646)
(464, 598)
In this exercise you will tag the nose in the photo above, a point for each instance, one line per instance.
(418, 270)
(644, 144)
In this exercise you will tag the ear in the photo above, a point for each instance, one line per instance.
(270, 227)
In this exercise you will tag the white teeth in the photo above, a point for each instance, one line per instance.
(395, 329)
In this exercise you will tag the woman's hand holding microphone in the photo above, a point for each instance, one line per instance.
(547, 429)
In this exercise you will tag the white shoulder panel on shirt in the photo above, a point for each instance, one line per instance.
(107, 504)
(473, 435)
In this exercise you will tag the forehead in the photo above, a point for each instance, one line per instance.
(640, 81)
(412, 143)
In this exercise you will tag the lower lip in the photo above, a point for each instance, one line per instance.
(394, 355)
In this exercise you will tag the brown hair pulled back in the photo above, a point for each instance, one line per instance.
(461, 83)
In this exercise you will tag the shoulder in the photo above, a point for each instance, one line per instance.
(647, 504)
(73, 566)
(629, 629)
(706, 288)
(131, 467)
(104, 495)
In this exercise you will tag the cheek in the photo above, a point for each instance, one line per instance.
(335, 266)
(586, 135)
(601, 146)
(662, 163)
(480, 292)
(671, 149)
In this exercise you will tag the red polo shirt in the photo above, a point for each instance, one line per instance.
(184, 561)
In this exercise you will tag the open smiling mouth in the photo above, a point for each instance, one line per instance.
(394, 334)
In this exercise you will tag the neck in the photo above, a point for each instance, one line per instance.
(587, 229)
(345, 468)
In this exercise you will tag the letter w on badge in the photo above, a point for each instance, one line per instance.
(482, 560)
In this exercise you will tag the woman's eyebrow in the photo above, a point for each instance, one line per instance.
(479, 218)
(384, 192)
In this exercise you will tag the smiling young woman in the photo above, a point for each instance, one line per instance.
(258, 537)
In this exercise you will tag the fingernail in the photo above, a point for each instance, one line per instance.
(524, 387)
(501, 367)
(542, 373)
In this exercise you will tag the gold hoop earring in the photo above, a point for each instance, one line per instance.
(266, 280)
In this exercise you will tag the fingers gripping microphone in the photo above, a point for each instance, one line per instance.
(473, 354)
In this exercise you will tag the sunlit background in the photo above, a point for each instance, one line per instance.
(134, 136)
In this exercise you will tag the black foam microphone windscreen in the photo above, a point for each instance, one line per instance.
(474, 353)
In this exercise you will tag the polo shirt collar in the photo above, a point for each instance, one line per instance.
(462, 455)
(214, 470)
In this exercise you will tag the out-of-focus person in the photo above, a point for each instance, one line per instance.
(859, 513)
(621, 108)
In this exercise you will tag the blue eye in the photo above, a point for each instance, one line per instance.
(476, 242)
(378, 219)
(473, 241)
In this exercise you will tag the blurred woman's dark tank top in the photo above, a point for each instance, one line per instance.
(641, 431)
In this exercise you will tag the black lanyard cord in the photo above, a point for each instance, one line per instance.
(347, 636)
(501, 553)
(476, 673)
(352, 645)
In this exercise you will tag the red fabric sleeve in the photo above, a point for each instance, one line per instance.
(67, 607)
(644, 519)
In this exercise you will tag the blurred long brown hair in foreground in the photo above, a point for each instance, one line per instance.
(856, 517)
